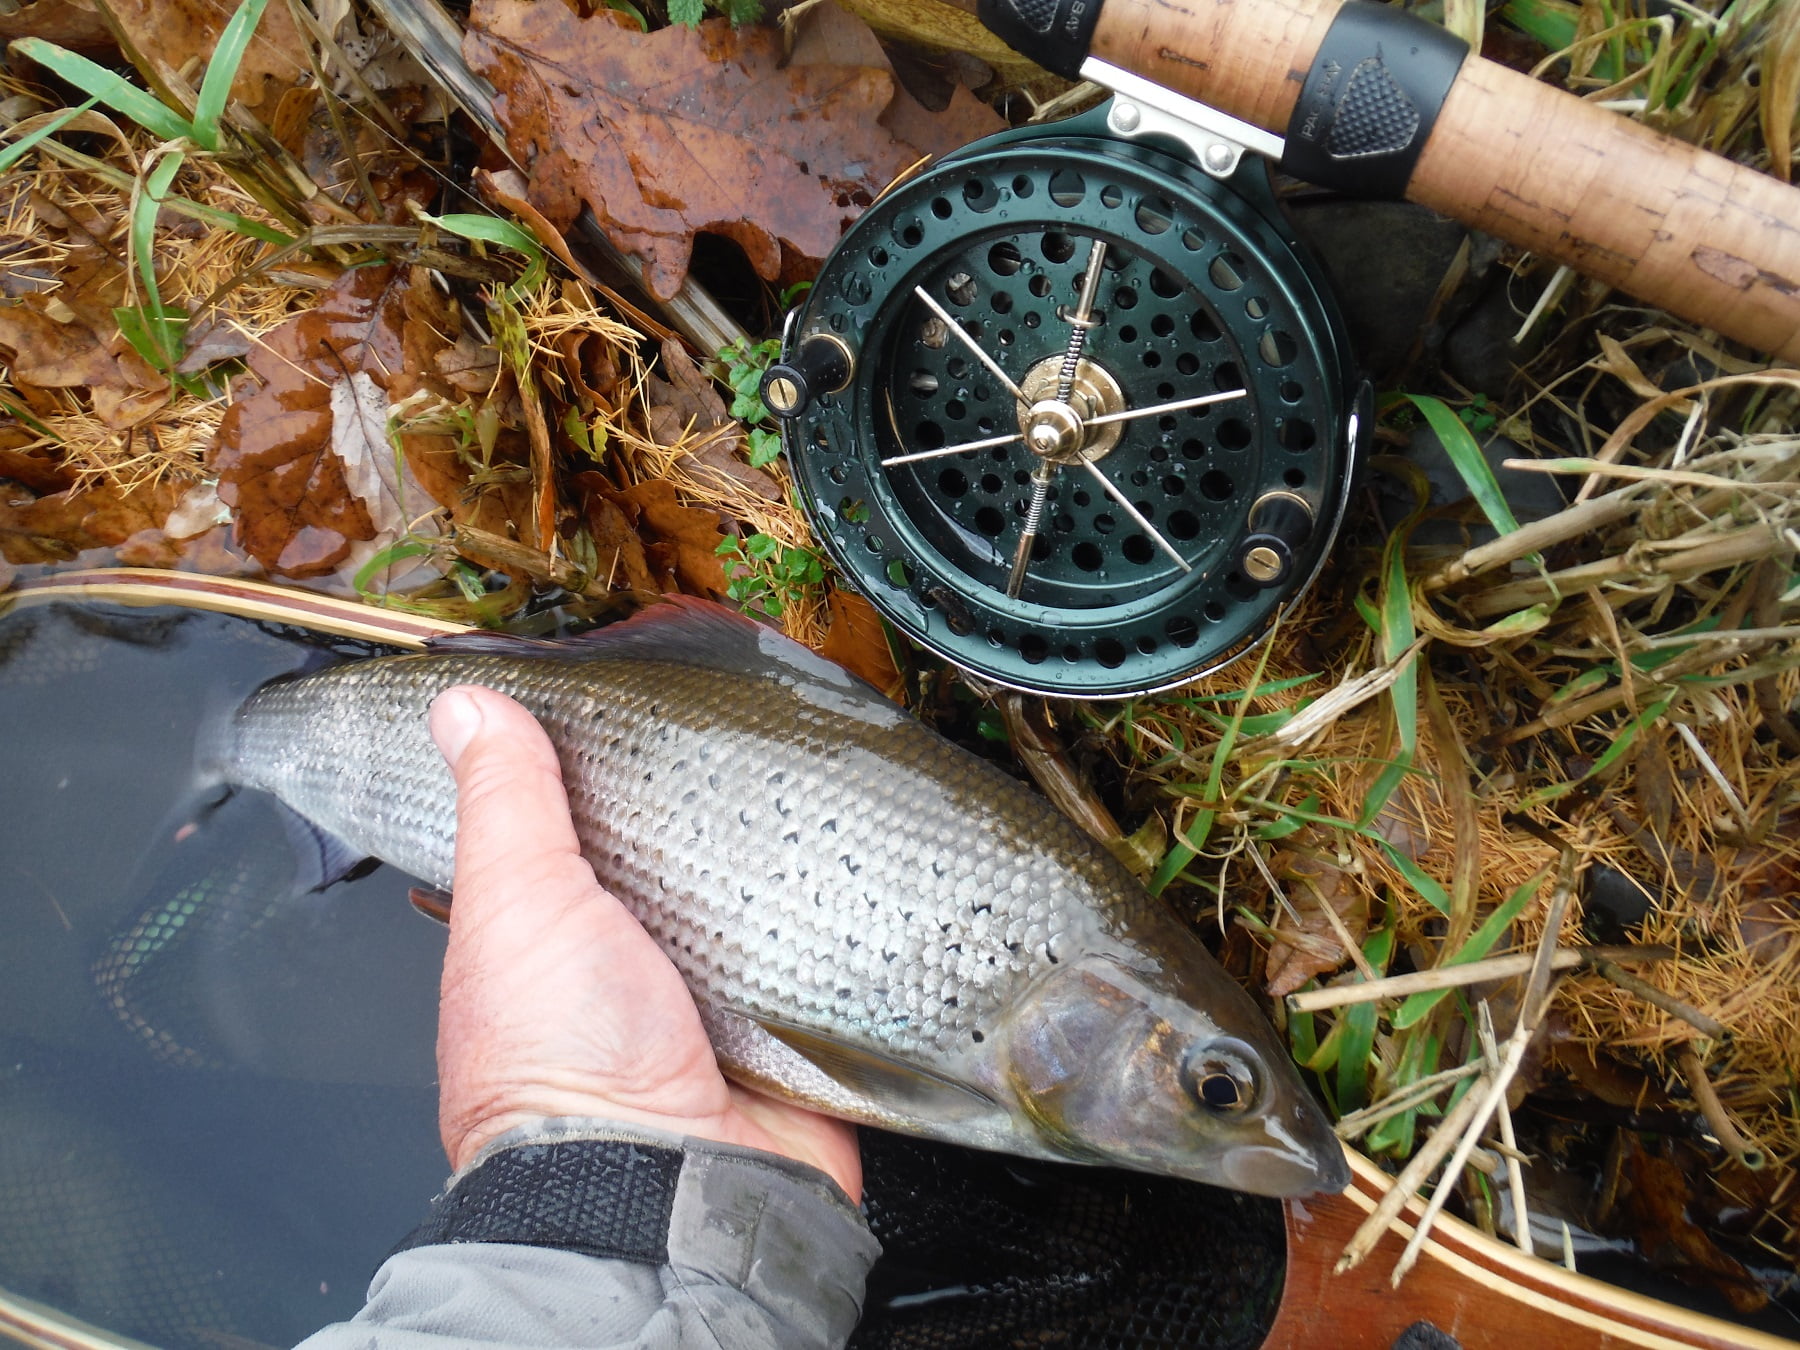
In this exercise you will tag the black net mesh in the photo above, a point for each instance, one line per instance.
(981, 1250)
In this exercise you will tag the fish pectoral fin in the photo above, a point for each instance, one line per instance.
(877, 1076)
(431, 901)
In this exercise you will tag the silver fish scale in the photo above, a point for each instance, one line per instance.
(797, 862)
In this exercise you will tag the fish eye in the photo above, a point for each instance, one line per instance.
(1221, 1077)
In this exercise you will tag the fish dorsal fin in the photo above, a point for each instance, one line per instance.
(692, 632)
(880, 1077)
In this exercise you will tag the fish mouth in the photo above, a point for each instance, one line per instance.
(1284, 1170)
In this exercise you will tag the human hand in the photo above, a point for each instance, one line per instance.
(555, 1000)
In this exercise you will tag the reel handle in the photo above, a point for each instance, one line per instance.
(1689, 231)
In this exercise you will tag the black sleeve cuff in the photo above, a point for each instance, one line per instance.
(603, 1197)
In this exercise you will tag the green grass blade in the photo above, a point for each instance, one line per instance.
(1430, 889)
(109, 87)
(1270, 687)
(215, 88)
(1386, 783)
(399, 551)
(157, 320)
(21, 147)
(1393, 624)
(1459, 445)
(1359, 1024)
(230, 220)
(492, 230)
(1623, 742)
(1395, 1135)
(1480, 943)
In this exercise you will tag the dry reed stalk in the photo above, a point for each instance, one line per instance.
(1465, 974)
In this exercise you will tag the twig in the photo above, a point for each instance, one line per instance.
(1466, 973)
(1515, 1174)
(1411, 1177)
(1490, 1099)
(1778, 633)
(1467, 1122)
(503, 554)
(1671, 560)
(1747, 1154)
(1646, 474)
(1536, 536)
(1414, 1094)
(1706, 1026)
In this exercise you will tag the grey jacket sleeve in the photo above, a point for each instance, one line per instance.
(627, 1238)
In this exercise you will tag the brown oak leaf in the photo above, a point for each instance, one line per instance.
(51, 343)
(175, 35)
(683, 130)
(858, 643)
(64, 525)
(1313, 881)
(293, 508)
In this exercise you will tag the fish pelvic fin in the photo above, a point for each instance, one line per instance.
(880, 1077)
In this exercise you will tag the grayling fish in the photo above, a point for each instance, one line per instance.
(874, 922)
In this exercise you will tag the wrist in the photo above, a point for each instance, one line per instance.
(563, 1116)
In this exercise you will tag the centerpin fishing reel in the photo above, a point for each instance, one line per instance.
(1073, 406)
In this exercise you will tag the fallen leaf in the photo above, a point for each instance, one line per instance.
(679, 131)
(856, 640)
(57, 344)
(67, 25)
(617, 546)
(938, 25)
(829, 34)
(373, 473)
(470, 366)
(966, 119)
(293, 509)
(688, 534)
(171, 34)
(1312, 881)
(64, 525)
(439, 361)
(1653, 1210)
(40, 470)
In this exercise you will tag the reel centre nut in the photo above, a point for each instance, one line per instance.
(1061, 431)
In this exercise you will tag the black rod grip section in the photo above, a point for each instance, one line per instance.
(1370, 100)
(1054, 33)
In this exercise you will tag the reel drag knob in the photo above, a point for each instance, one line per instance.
(1280, 524)
(821, 365)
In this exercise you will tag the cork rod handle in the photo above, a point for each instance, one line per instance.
(1712, 241)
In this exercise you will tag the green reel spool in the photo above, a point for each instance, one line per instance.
(1072, 411)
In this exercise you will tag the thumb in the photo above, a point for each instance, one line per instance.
(513, 832)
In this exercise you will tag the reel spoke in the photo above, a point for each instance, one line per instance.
(969, 342)
(1156, 409)
(1041, 478)
(1080, 321)
(988, 444)
(1124, 504)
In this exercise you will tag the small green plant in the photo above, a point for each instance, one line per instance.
(763, 574)
(746, 363)
(1479, 417)
(689, 12)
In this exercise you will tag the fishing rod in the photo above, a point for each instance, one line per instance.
(1373, 101)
